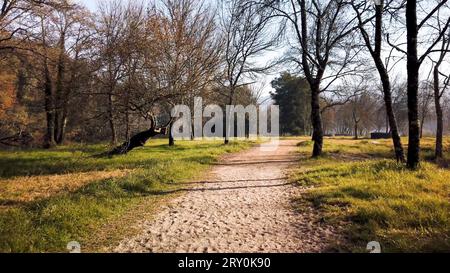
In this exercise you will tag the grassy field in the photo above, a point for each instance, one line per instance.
(359, 187)
(49, 198)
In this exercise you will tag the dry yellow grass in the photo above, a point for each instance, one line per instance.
(32, 188)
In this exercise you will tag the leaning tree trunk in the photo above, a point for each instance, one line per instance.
(316, 121)
(136, 141)
(439, 115)
(413, 85)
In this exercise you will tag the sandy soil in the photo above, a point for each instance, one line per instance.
(246, 207)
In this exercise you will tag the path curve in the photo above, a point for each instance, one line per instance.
(245, 208)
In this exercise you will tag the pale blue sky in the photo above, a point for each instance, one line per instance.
(91, 4)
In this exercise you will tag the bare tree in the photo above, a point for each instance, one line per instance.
(111, 39)
(72, 24)
(189, 49)
(425, 100)
(374, 45)
(362, 112)
(57, 44)
(46, 81)
(247, 35)
(354, 116)
(163, 55)
(13, 23)
(414, 63)
(322, 30)
(439, 91)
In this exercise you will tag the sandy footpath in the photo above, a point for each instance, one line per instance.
(245, 207)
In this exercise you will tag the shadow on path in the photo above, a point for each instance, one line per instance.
(234, 163)
(230, 181)
(219, 189)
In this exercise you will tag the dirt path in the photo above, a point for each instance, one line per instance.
(246, 207)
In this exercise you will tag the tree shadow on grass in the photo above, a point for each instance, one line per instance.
(71, 160)
(18, 167)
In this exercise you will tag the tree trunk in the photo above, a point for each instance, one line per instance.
(111, 119)
(439, 153)
(171, 139)
(60, 96)
(127, 110)
(58, 125)
(62, 132)
(316, 121)
(386, 82)
(422, 124)
(227, 125)
(127, 125)
(413, 85)
(61, 137)
(398, 146)
(355, 121)
(439, 115)
(136, 141)
(388, 128)
(49, 110)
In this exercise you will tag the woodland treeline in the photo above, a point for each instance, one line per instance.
(71, 74)
(67, 74)
(363, 113)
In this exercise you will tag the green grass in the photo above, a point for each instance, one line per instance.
(48, 225)
(80, 158)
(376, 199)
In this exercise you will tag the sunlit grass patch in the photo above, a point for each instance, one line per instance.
(69, 159)
(78, 211)
(377, 199)
(15, 191)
